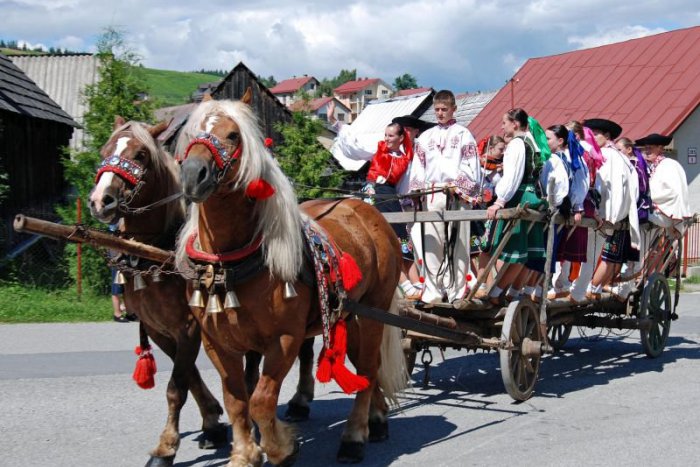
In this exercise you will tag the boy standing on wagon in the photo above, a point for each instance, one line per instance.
(445, 157)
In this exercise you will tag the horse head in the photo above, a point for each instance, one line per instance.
(128, 174)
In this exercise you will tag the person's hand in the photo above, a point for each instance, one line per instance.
(491, 211)
(331, 112)
(598, 220)
(577, 218)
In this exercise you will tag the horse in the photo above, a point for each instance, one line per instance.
(137, 173)
(244, 209)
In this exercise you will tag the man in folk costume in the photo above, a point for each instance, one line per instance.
(445, 157)
(617, 184)
(668, 185)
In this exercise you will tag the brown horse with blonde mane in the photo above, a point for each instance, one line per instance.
(244, 217)
(136, 173)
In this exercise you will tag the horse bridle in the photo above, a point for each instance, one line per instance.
(129, 170)
(223, 158)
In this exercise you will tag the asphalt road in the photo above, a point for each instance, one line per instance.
(67, 399)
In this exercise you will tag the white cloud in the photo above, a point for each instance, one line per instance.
(458, 44)
(610, 36)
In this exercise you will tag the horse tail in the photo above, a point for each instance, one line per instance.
(393, 375)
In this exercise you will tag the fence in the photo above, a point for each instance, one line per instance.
(691, 247)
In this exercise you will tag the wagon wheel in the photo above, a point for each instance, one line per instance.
(655, 305)
(520, 361)
(558, 335)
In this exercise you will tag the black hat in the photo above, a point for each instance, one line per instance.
(413, 122)
(654, 139)
(602, 124)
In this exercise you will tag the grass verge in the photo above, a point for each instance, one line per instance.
(20, 304)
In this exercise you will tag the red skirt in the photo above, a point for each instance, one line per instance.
(574, 248)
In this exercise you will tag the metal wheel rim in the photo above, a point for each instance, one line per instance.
(520, 372)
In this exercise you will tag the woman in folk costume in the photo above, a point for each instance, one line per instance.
(594, 160)
(521, 163)
(668, 185)
(386, 170)
(445, 158)
(618, 186)
(574, 240)
(555, 169)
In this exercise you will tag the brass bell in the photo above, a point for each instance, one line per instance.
(139, 283)
(196, 299)
(119, 278)
(156, 277)
(289, 291)
(231, 300)
(214, 304)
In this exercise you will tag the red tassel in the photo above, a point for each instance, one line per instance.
(145, 368)
(331, 363)
(349, 271)
(259, 189)
(268, 142)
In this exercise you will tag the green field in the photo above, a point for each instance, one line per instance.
(173, 87)
(6, 51)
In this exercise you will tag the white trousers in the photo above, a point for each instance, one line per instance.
(443, 279)
(593, 250)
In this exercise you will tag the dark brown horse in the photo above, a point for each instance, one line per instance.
(229, 222)
(136, 172)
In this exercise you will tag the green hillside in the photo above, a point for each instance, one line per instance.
(173, 87)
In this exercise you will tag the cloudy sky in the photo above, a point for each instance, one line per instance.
(463, 45)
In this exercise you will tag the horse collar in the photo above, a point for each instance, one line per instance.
(222, 157)
(195, 254)
(129, 170)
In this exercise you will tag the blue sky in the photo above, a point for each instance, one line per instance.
(463, 45)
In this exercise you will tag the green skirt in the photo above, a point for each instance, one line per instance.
(522, 245)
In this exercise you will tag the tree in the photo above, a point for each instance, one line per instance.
(405, 81)
(308, 164)
(269, 82)
(116, 93)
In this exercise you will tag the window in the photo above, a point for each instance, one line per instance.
(341, 117)
(368, 92)
(384, 92)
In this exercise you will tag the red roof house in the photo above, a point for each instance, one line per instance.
(358, 93)
(286, 90)
(651, 84)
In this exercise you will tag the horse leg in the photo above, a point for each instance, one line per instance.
(164, 453)
(213, 431)
(298, 406)
(277, 438)
(244, 450)
(364, 341)
(378, 420)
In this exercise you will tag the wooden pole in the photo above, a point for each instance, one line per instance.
(77, 234)
(79, 273)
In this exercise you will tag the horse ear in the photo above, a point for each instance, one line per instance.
(207, 97)
(248, 96)
(118, 122)
(159, 128)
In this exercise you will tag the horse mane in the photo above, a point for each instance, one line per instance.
(165, 167)
(278, 217)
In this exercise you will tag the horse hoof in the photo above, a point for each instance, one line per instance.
(160, 461)
(378, 430)
(214, 438)
(351, 452)
(292, 458)
(296, 413)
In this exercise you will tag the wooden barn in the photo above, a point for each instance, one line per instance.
(268, 108)
(33, 132)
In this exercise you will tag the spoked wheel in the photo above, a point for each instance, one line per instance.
(520, 360)
(558, 335)
(656, 306)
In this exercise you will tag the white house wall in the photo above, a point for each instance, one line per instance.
(686, 140)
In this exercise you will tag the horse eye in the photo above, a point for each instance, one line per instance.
(140, 156)
(233, 136)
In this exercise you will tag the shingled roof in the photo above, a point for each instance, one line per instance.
(19, 94)
(647, 85)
